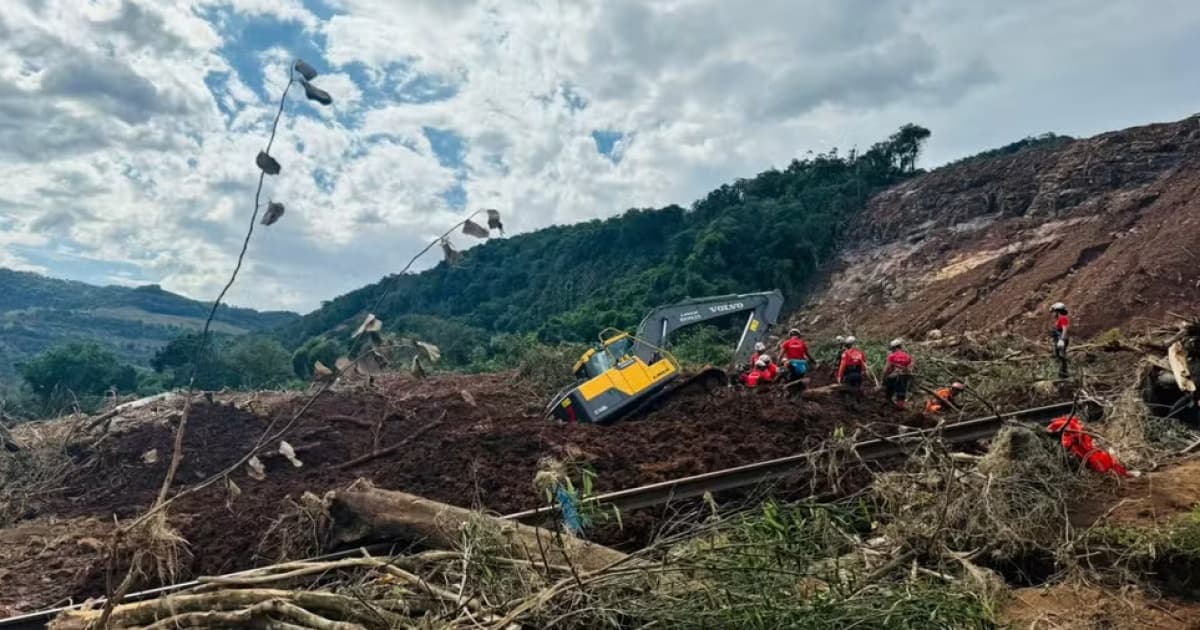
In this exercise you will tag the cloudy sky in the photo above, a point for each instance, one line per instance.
(128, 128)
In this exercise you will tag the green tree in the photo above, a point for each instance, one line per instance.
(84, 370)
(258, 363)
(566, 283)
(174, 362)
(321, 349)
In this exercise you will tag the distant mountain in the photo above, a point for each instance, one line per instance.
(37, 313)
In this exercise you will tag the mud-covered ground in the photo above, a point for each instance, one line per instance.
(481, 438)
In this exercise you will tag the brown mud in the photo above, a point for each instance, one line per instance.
(483, 453)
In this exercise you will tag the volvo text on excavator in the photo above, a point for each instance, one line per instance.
(625, 372)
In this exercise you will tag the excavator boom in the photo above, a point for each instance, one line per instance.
(626, 372)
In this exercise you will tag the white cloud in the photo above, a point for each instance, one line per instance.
(118, 151)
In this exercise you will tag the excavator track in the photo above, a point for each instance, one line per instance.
(702, 383)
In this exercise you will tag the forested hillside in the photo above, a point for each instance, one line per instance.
(568, 282)
(37, 313)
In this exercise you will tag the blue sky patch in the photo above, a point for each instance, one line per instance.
(448, 146)
(456, 196)
(606, 143)
(248, 37)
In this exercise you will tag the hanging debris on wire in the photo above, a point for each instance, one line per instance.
(453, 256)
(494, 221)
(267, 163)
(274, 211)
(371, 324)
(308, 72)
(471, 228)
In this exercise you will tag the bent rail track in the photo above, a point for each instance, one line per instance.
(684, 488)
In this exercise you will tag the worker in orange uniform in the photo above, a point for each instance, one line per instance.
(897, 373)
(852, 366)
(794, 351)
(944, 397)
(1062, 323)
(1076, 440)
(764, 372)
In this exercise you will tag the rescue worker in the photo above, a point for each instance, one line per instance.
(1076, 440)
(897, 373)
(853, 365)
(841, 340)
(943, 397)
(764, 372)
(1059, 335)
(795, 352)
(759, 349)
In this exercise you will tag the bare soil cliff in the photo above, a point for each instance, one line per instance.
(1110, 225)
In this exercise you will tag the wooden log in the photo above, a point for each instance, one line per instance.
(366, 513)
(1178, 359)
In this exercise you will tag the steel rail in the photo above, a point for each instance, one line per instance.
(665, 492)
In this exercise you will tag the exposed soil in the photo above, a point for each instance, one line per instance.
(483, 454)
(1109, 225)
(1078, 607)
(45, 561)
(1148, 501)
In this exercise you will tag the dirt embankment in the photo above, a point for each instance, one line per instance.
(483, 452)
(1110, 225)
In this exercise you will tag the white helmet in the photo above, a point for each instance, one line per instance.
(795, 332)
(849, 341)
(759, 346)
(1058, 306)
(840, 338)
(895, 343)
(763, 361)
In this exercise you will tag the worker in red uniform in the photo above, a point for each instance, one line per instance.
(759, 349)
(764, 372)
(1062, 323)
(944, 397)
(795, 354)
(1076, 440)
(897, 373)
(853, 365)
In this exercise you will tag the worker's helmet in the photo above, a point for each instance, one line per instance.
(840, 338)
(957, 385)
(759, 346)
(1058, 307)
(763, 361)
(895, 343)
(849, 341)
(795, 332)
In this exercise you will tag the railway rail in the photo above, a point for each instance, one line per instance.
(684, 488)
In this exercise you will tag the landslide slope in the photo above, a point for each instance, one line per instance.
(1109, 224)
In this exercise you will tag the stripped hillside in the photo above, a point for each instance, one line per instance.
(1110, 225)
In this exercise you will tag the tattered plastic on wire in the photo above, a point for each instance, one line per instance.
(273, 213)
(371, 324)
(453, 256)
(494, 221)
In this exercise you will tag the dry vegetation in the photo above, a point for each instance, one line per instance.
(937, 542)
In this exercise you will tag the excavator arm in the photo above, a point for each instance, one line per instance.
(626, 372)
(762, 308)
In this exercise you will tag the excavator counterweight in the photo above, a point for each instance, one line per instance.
(626, 372)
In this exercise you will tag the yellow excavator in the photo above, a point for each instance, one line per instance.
(626, 372)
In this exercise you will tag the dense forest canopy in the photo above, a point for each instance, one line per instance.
(565, 283)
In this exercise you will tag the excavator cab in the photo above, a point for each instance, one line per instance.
(612, 376)
(603, 357)
(624, 372)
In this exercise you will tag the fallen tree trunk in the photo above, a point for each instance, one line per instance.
(1178, 359)
(368, 513)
